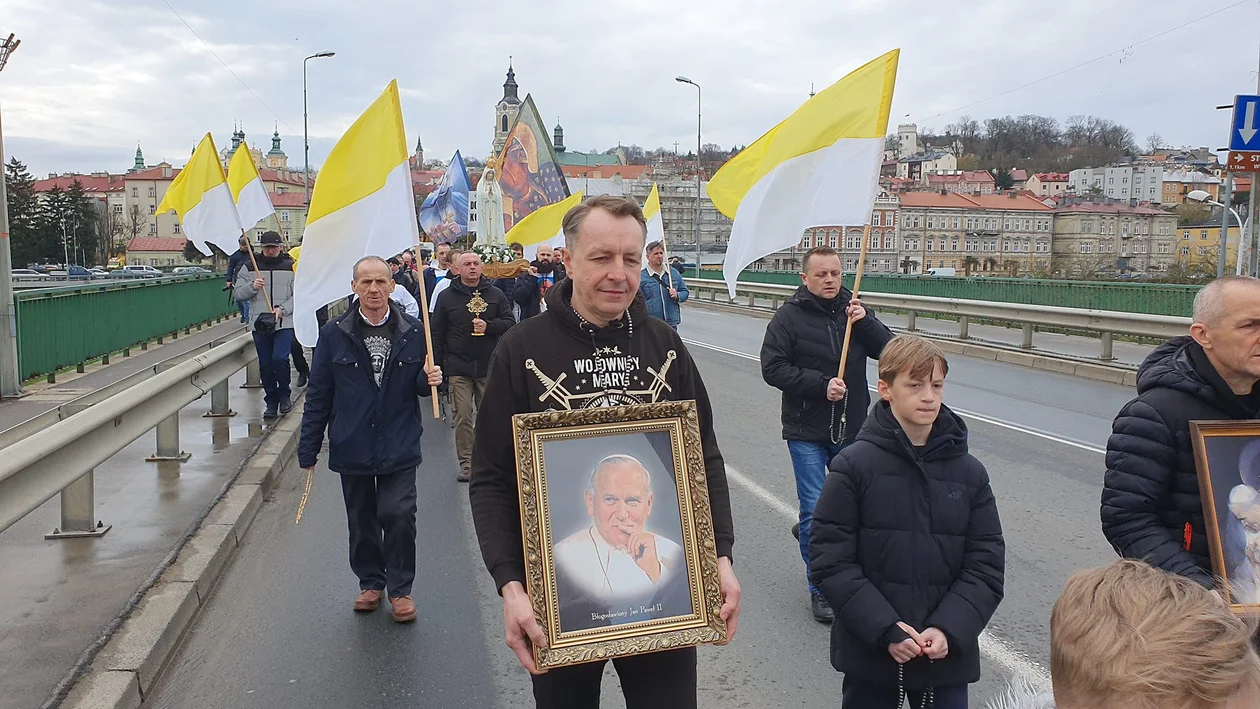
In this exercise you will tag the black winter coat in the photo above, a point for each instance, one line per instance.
(526, 290)
(508, 286)
(1151, 508)
(801, 354)
(454, 347)
(371, 430)
(911, 537)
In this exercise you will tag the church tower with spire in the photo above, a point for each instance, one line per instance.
(558, 134)
(276, 159)
(505, 111)
(417, 158)
(139, 164)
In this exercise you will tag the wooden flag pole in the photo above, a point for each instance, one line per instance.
(857, 286)
(428, 336)
(257, 274)
(669, 270)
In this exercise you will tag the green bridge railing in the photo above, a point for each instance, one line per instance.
(1150, 298)
(64, 326)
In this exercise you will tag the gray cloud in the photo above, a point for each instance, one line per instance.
(93, 78)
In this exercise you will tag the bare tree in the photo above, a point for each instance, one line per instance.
(1154, 142)
(136, 222)
(110, 229)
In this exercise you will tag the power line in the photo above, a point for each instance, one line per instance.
(1126, 51)
(229, 69)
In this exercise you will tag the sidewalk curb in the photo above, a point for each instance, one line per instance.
(1112, 374)
(130, 664)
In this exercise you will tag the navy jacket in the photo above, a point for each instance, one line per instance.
(235, 261)
(911, 536)
(371, 430)
(656, 294)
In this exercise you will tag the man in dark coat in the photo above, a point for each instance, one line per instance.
(235, 261)
(368, 371)
(907, 544)
(801, 356)
(463, 341)
(595, 322)
(1151, 508)
(532, 286)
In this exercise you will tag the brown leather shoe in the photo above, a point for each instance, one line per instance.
(367, 601)
(404, 609)
(464, 476)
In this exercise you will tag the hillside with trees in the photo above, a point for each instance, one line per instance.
(1034, 143)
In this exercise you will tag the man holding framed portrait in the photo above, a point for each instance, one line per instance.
(596, 348)
(1152, 500)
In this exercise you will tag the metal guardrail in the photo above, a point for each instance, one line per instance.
(1105, 323)
(60, 456)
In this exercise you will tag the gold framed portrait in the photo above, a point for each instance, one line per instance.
(620, 557)
(1227, 459)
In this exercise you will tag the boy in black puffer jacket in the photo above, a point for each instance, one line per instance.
(907, 545)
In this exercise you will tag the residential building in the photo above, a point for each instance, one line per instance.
(159, 252)
(918, 167)
(1178, 183)
(1009, 233)
(962, 182)
(1122, 182)
(1019, 178)
(881, 254)
(1200, 244)
(1095, 237)
(626, 172)
(678, 209)
(1048, 184)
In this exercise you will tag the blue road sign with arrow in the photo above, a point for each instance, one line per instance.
(1245, 135)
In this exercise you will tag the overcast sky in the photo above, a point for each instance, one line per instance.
(92, 79)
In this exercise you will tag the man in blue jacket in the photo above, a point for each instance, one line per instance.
(370, 367)
(662, 286)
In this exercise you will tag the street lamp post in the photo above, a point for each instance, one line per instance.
(306, 135)
(1203, 197)
(10, 382)
(685, 80)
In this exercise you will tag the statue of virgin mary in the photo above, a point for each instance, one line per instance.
(490, 210)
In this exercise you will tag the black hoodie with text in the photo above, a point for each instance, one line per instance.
(559, 362)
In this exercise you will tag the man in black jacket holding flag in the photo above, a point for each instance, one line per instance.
(822, 412)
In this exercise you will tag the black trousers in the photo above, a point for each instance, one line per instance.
(299, 359)
(660, 680)
(857, 694)
(381, 511)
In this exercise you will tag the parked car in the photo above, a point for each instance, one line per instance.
(142, 271)
(77, 273)
(28, 274)
(98, 272)
(942, 272)
(191, 270)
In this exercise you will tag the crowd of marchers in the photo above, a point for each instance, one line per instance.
(899, 531)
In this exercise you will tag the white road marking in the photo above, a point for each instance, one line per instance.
(1013, 662)
(961, 412)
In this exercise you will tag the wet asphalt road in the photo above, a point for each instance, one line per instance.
(279, 630)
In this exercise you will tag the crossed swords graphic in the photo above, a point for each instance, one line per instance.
(555, 388)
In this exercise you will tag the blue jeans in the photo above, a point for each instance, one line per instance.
(273, 364)
(858, 694)
(809, 465)
(243, 306)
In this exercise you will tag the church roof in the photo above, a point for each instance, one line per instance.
(571, 157)
(510, 87)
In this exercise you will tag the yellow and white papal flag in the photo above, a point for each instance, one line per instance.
(362, 205)
(544, 225)
(252, 201)
(200, 196)
(652, 213)
(819, 167)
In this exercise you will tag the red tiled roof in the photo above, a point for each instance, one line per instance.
(275, 176)
(1098, 208)
(1019, 175)
(288, 199)
(90, 183)
(964, 176)
(1052, 176)
(153, 173)
(1020, 201)
(151, 243)
(629, 172)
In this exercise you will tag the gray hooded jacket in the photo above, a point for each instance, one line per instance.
(278, 273)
